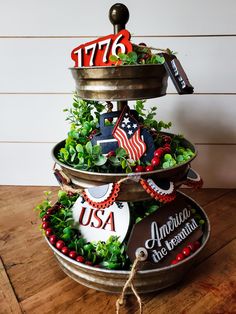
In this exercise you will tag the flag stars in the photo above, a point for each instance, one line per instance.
(123, 125)
(128, 126)
(134, 125)
(130, 132)
(126, 120)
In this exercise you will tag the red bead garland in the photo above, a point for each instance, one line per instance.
(186, 251)
(59, 244)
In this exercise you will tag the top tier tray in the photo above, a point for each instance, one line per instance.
(117, 83)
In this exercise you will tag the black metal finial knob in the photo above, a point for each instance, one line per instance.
(119, 16)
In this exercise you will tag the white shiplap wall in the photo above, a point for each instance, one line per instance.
(36, 38)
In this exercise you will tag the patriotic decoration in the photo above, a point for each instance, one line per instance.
(103, 196)
(98, 224)
(162, 191)
(127, 132)
(193, 179)
(98, 52)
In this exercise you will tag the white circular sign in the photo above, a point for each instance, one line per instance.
(99, 224)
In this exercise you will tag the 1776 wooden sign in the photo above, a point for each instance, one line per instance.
(97, 52)
(164, 234)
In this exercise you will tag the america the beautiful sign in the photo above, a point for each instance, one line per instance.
(164, 234)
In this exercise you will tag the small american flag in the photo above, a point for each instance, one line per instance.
(127, 133)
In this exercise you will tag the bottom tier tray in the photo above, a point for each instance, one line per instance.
(145, 281)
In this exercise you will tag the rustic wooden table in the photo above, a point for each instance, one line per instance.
(32, 282)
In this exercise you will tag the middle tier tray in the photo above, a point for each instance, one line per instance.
(131, 190)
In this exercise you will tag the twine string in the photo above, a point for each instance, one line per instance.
(151, 48)
(123, 180)
(69, 188)
(129, 282)
(66, 184)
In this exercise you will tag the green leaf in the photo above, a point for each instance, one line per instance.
(61, 195)
(87, 125)
(152, 209)
(121, 152)
(67, 230)
(72, 149)
(128, 170)
(123, 164)
(122, 56)
(81, 160)
(75, 105)
(133, 56)
(89, 148)
(74, 134)
(180, 158)
(166, 165)
(96, 149)
(84, 132)
(100, 161)
(65, 236)
(79, 148)
(89, 162)
(113, 58)
(64, 154)
(167, 157)
(72, 159)
(115, 161)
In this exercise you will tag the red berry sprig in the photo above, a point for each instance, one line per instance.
(187, 251)
(59, 244)
(158, 154)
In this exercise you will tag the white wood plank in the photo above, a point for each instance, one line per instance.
(40, 118)
(201, 59)
(41, 65)
(200, 118)
(26, 164)
(77, 17)
(31, 164)
(33, 118)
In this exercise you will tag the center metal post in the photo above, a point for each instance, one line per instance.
(119, 16)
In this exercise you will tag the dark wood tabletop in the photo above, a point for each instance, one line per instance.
(32, 282)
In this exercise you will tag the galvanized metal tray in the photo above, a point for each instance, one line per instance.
(130, 190)
(114, 83)
(145, 281)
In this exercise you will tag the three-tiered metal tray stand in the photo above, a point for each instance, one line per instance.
(122, 84)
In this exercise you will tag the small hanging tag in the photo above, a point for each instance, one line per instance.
(163, 234)
(193, 179)
(161, 190)
(177, 74)
(96, 224)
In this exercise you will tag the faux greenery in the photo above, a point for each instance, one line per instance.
(148, 116)
(139, 55)
(110, 254)
(79, 153)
